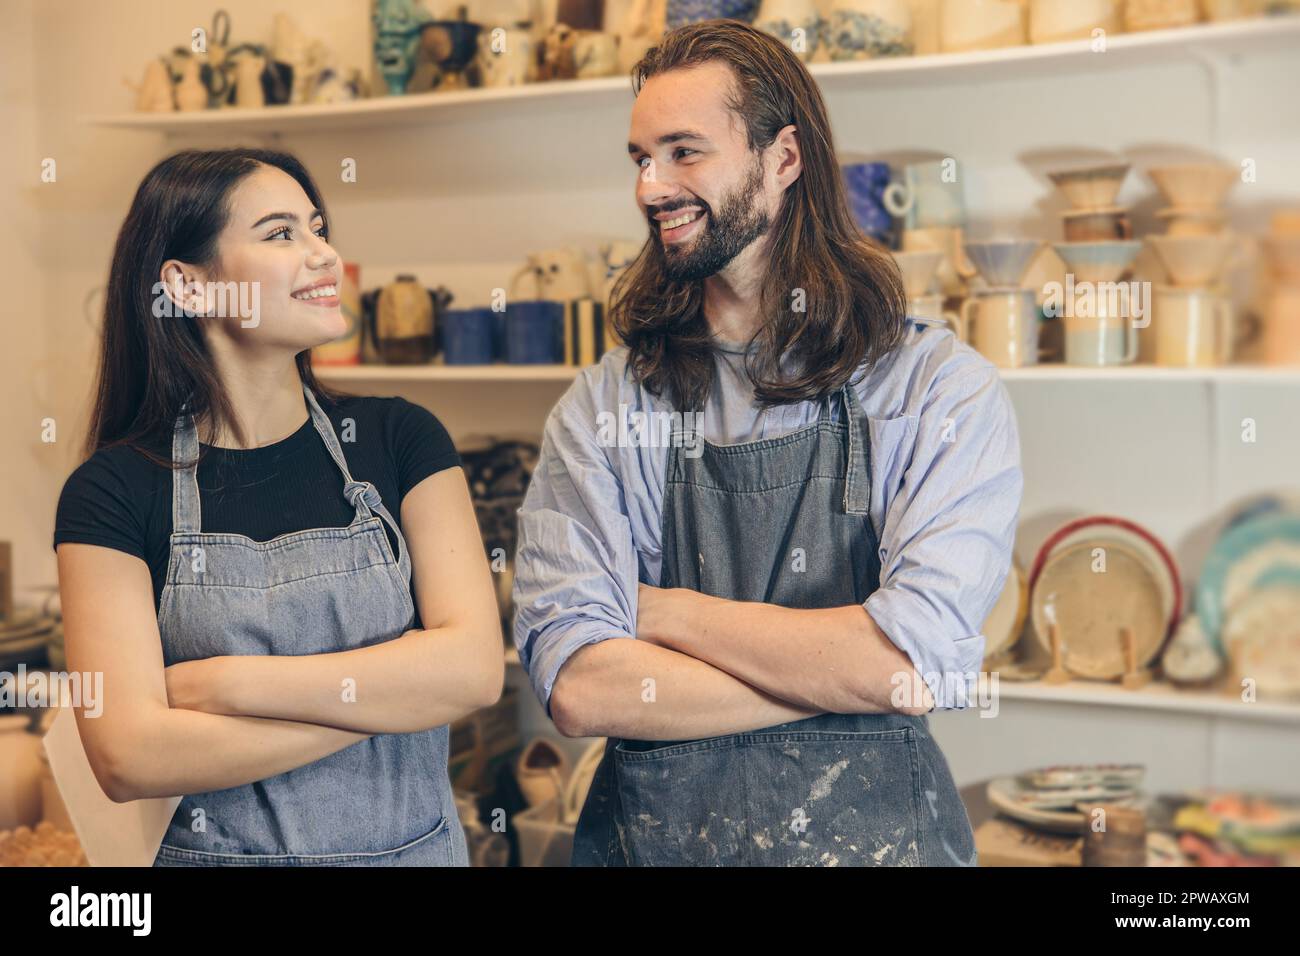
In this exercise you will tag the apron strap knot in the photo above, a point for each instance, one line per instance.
(364, 491)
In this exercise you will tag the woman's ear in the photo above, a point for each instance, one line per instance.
(184, 287)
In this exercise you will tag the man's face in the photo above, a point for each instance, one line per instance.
(693, 160)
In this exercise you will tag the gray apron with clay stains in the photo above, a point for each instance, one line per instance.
(784, 521)
(383, 801)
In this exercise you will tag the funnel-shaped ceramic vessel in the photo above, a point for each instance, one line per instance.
(1103, 261)
(919, 269)
(1193, 260)
(1002, 262)
(1090, 187)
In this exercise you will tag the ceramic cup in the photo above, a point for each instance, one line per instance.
(534, 332)
(930, 307)
(557, 274)
(467, 336)
(1281, 332)
(955, 268)
(929, 194)
(1194, 327)
(865, 29)
(1099, 340)
(1055, 21)
(865, 183)
(505, 56)
(1002, 325)
(980, 24)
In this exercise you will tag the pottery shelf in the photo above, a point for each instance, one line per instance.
(1157, 695)
(1040, 373)
(1233, 38)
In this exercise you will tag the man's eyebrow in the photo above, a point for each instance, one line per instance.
(288, 216)
(671, 138)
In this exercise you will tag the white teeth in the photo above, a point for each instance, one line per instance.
(318, 293)
(679, 221)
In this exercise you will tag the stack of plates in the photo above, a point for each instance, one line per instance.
(1059, 798)
(1248, 600)
(23, 637)
(1095, 576)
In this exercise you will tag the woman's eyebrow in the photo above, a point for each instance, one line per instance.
(289, 216)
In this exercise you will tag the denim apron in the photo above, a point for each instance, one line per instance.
(385, 801)
(784, 521)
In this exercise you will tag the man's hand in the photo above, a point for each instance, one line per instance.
(662, 612)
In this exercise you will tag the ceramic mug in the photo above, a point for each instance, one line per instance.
(1194, 327)
(955, 268)
(595, 54)
(1002, 325)
(929, 195)
(866, 29)
(1099, 340)
(930, 308)
(1055, 21)
(781, 19)
(558, 275)
(865, 183)
(1281, 332)
(980, 24)
(505, 56)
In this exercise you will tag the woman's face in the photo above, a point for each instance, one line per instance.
(274, 256)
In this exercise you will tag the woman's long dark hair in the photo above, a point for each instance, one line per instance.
(150, 365)
(854, 303)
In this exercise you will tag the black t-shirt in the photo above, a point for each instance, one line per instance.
(119, 499)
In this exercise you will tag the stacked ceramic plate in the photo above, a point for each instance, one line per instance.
(1094, 577)
(23, 637)
(1060, 798)
(1248, 600)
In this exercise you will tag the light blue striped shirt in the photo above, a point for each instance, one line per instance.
(946, 486)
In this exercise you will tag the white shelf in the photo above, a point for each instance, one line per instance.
(1041, 373)
(1155, 696)
(1258, 35)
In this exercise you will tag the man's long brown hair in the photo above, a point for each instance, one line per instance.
(854, 306)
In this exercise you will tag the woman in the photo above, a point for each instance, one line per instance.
(275, 645)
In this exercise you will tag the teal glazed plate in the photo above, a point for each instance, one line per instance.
(1257, 552)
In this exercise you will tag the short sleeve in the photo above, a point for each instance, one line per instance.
(97, 506)
(421, 445)
(576, 571)
(949, 531)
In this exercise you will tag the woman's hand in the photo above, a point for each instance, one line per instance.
(196, 685)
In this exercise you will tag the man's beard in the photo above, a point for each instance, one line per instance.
(739, 221)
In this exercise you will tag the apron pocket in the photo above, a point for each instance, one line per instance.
(834, 799)
(432, 849)
(682, 805)
(790, 799)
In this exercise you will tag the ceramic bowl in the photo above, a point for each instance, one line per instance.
(1194, 185)
(1101, 261)
(1096, 225)
(1002, 262)
(1193, 260)
(1090, 608)
(1090, 187)
(919, 269)
(1262, 637)
(1191, 222)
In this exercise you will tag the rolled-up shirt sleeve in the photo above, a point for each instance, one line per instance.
(576, 569)
(949, 531)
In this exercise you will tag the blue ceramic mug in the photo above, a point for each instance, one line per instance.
(535, 332)
(467, 336)
(866, 183)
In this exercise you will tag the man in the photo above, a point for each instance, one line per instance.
(762, 537)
